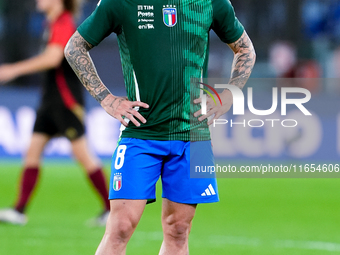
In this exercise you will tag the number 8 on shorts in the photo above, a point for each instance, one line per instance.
(119, 162)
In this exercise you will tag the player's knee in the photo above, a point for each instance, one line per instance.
(126, 228)
(30, 162)
(177, 230)
(122, 230)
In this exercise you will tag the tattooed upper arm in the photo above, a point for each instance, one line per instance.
(244, 60)
(77, 55)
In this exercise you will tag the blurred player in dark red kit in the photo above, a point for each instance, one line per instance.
(61, 110)
(284, 60)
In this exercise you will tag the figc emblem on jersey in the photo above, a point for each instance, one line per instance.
(169, 16)
(117, 182)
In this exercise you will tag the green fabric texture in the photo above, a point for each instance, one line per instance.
(164, 46)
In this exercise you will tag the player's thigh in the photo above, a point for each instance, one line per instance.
(44, 122)
(35, 149)
(83, 154)
(178, 183)
(135, 169)
(68, 123)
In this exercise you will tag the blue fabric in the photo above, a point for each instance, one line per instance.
(137, 165)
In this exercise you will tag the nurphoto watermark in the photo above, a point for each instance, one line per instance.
(239, 105)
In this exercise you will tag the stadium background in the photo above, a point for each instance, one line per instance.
(255, 216)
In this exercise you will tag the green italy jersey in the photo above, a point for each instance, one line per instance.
(163, 47)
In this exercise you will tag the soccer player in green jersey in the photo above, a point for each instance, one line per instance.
(163, 47)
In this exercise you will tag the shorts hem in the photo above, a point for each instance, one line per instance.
(193, 202)
(129, 198)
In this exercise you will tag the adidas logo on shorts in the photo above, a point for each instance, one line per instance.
(209, 191)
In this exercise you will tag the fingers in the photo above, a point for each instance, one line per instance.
(132, 119)
(121, 120)
(132, 113)
(126, 111)
(135, 113)
(217, 115)
(215, 112)
(140, 104)
(211, 109)
(198, 100)
(209, 113)
(198, 113)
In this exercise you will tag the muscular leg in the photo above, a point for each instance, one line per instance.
(30, 173)
(123, 219)
(36, 148)
(176, 222)
(84, 156)
(92, 167)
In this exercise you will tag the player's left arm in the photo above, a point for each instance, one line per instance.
(243, 63)
(244, 60)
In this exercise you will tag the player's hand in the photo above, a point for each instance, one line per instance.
(121, 106)
(7, 73)
(215, 110)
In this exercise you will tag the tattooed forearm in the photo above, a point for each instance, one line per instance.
(244, 61)
(101, 96)
(77, 55)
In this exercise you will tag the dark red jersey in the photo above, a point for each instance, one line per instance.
(61, 86)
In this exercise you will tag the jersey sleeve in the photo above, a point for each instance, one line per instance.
(225, 24)
(61, 31)
(102, 22)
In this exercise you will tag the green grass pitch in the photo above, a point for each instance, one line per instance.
(254, 217)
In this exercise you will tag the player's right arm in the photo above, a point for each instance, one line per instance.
(77, 54)
(104, 20)
(50, 58)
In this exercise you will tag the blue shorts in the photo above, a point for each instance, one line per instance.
(137, 165)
